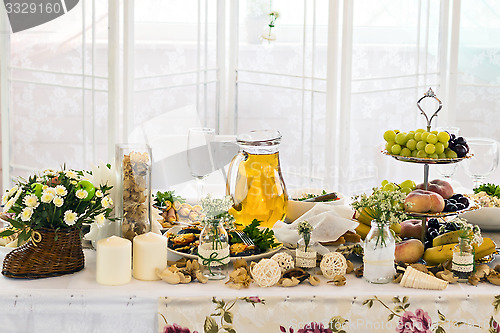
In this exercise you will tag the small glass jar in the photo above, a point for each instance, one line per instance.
(378, 258)
(462, 264)
(134, 184)
(213, 250)
(305, 257)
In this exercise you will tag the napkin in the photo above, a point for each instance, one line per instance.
(329, 223)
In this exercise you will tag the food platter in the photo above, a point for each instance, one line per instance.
(473, 205)
(487, 218)
(426, 160)
(268, 253)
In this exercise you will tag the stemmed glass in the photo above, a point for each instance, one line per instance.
(200, 154)
(484, 161)
(447, 170)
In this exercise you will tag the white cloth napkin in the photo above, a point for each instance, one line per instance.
(329, 223)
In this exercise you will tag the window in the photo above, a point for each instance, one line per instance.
(337, 75)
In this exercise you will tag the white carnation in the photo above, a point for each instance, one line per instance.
(81, 194)
(26, 214)
(70, 217)
(58, 201)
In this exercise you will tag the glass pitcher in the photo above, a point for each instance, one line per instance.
(255, 181)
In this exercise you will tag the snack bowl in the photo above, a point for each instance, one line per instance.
(487, 218)
(297, 208)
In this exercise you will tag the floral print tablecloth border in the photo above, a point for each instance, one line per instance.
(291, 314)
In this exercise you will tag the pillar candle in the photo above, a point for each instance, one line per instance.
(114, 261)
(150, 252)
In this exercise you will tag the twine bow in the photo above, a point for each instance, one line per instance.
(212, 258)
(35, 237)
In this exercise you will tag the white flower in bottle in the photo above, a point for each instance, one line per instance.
(70, 217)
(98, 194)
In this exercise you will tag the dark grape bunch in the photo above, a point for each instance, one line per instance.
(434, 229)
(455, 203)
(458, 145)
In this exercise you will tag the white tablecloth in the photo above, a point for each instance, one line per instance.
(76, 303)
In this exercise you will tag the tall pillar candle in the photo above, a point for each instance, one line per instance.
(150, 252)
(114, 261)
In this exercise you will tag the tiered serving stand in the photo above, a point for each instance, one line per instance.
(426, 162)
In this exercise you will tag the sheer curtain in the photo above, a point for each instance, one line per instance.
(55, 92)
(333, 78)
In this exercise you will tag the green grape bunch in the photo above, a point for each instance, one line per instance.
(419, 143)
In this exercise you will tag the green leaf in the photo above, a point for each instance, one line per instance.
(390, 317)
(441, 316)
(16, 224)
(490, 189)
(7, 232)
(406, 306)
(263, 238)
(230, 330)
(405, 299)
(228, 317)
(399, 308)
(161, 197)
(210, 325)
(459, 323)
(396, 300)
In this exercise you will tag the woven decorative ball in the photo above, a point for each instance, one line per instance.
(266, 272)
(333, 263)
(285, 261)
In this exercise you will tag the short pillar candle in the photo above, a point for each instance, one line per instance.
(150, 253)
(114, 261)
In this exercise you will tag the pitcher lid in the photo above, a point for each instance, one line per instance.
(259, 138)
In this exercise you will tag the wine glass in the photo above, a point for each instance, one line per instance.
(200, 154)
(484, 161)
(447, 170)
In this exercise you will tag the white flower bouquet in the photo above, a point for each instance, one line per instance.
(55, 200)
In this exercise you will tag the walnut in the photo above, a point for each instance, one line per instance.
(447, 276)
(494, 278)
(358, 272)
(350, 267)
(338, 280)
(398, 277)
(482, 271)
(474, 280)
(420, 267)
(190, 272)
(313, 280)
(239, 278)
(286, 282)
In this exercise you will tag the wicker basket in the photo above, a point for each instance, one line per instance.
(49, 257)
